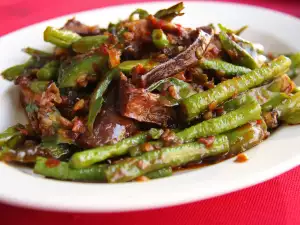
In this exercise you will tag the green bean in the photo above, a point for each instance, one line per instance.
(155, 133)
(15, 141)
(37, 53)
(38, 86)
(61, 171)
(237, 54)
(48, 71)
(165, 157)
(31, 108)
(54, 149)
(88, 157)
(164, 172)
(97, 98)
(281, 84)
(127, 66)
(60, 38)
(227, 30)
(170, 13)
(289, 110)
(160, 40)
(225, 68)
(248, 112)
(296, 90)
(295, 67)
(69, 73)
(246, 136)
(9, 133)
(85, 44)
(198, 103)
(181, 89)
(267, 96)
(143, 14)
(13, 72)
(138, 149)
(274, 101)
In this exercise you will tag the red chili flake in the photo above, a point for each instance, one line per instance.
(160, 23)
(207, 141)
(179, 29)
(142, 179)
(114, 57)
(51, 163)
(79, 105)
(212, 106)
(259, 122)
(178, 25)
(23, 131)
(242, 157)
(104, 49)
(147, 147)
(152, 19)
(136, 72)
(139, 69)
(180, 76)
(219, 111)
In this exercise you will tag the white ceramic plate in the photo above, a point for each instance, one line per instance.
(276, 31)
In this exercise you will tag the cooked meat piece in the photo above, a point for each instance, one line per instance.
(137, 40)
(109, 128)
(40, 108)
(178, 63)
(143, 106)
(81, 29)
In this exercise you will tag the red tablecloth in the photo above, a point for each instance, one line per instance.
(273, 202)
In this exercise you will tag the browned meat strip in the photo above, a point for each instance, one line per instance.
(143, 106)
(109, 128)
(81, 29)
(178, 63)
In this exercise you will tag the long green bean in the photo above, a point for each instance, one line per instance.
(165, 157)
(61, 170)
(88, 157)
(198, 103)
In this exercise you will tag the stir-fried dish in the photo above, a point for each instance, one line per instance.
(145, 97)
